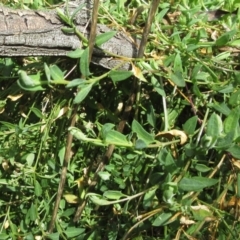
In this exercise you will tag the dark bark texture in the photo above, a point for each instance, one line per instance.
(39, 33)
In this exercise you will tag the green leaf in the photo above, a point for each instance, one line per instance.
(222, 108)
(37, 112)
(76, 82)
(190, 125)
(68, 212)
(196, 70)
(235, 151)
(104, 175)
(98, 199)
(117, 138)
(47, 72)
(208, 141)
(117, 76)
(114, 195)
(3, 104)
(178, 64)
(106, 128)
(163, 12)
(224, 89)
(235, 99)
(140, 144)
(214, 126)
(157, 86)
(29, 82)
(9, 125)
(146, 66)
(196, 90)
(162, 219)
(4, 181)
(73, 231)
(104, 37)
(30, 159)
(151, 118)
(168, 195)
(68, 30)
(231, 123)
(56, 72)
(170, 190)
(211, 73)
(169, 162)
(61, 154)
(4, 236)
(84, 63)
(63, 16)
(202, 168)
(225, 38)
(201, 213)
(178, 79)
(225, 142)
(221, 56)
(82, 93)
(77, 10)
(228, 88)
(29, 236)
(196, 183)
(53, 236)
(142, 133)
(149, 198)
(37, 189)
(234, 43)
(76, 53)
(77, 133)
(33, 212)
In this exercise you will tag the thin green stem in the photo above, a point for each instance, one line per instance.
(203, 125)
(165, 112)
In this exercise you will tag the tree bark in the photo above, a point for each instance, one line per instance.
(39, 33)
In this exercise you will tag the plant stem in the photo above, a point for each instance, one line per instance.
(64, 172)
(92, 36)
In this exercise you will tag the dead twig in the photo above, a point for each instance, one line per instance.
(67, 157)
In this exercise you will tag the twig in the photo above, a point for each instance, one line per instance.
(67, 157)
(91, 41)
(152, 11)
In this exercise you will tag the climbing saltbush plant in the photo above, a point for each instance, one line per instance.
(174, 170)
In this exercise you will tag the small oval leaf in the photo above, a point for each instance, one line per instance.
(117, 76)
(97, 199)
(114, 195)
(117, 138)
(37, 189)
(76, 53)
(76, 82)
(83, 92)
(178, 79)
(56, 73)
(214, 126)
(142, 133)
(104, 175)
(84, 63)
(196, 183)
(104, 37)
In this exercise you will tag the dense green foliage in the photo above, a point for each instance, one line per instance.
(174, 173)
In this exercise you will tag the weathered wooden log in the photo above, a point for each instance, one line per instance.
(39, 33)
